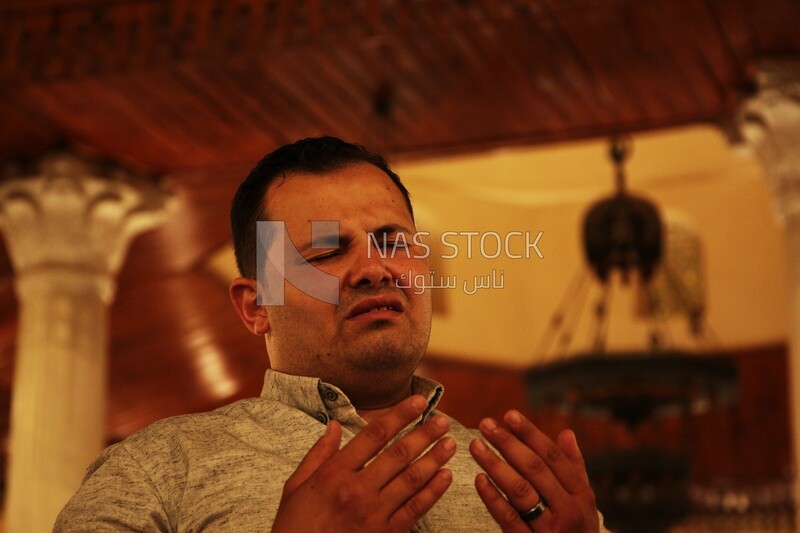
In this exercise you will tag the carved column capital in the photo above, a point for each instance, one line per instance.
(769, 122)
(70, 218)
(67, 223)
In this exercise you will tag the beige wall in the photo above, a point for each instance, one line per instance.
(691, 171)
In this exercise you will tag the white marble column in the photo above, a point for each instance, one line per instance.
(67, 225)
(769, 122)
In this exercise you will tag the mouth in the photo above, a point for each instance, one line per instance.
(378, 307)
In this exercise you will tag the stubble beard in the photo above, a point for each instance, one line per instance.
(380, 369)
(389, 354)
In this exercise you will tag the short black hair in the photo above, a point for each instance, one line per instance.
(315, 155)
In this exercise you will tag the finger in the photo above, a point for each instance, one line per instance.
(415, 507)
(571, 474)
(569, 443)
(520, 492)
(530, 465)
(503, 513)
(415, 476)
(376, 434)
(322, 450)
(402, 453)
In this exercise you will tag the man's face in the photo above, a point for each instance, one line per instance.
(378, 332)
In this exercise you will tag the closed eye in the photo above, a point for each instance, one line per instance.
(325, 255)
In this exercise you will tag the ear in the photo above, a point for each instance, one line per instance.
(244, 295)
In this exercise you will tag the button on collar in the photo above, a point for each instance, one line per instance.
(330, 394)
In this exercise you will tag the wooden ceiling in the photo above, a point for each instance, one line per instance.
(198, 90)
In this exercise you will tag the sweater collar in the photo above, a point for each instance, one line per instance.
(324, 401)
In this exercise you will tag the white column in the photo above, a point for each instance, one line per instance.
(67, 227)
(769, 122)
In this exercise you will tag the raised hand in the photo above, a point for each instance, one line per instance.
(545, 483)
(361, 487)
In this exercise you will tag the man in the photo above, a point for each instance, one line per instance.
(344, 437)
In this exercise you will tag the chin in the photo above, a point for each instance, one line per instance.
(387, 358)
(386, 363)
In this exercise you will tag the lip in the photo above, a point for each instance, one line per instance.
(365, 307)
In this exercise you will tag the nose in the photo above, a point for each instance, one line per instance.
(370, 269)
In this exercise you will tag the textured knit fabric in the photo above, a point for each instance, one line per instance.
(224, 470)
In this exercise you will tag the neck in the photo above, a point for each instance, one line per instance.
(370, 409)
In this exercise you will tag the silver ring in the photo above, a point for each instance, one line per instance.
(535, 511)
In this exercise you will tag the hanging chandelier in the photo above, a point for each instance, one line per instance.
(624, 245)
(628, 246)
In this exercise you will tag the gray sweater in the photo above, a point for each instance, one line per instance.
(224, 470)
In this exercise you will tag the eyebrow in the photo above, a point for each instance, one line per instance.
(390, 228)
(341, 240)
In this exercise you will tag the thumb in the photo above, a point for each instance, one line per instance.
(321, 451)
